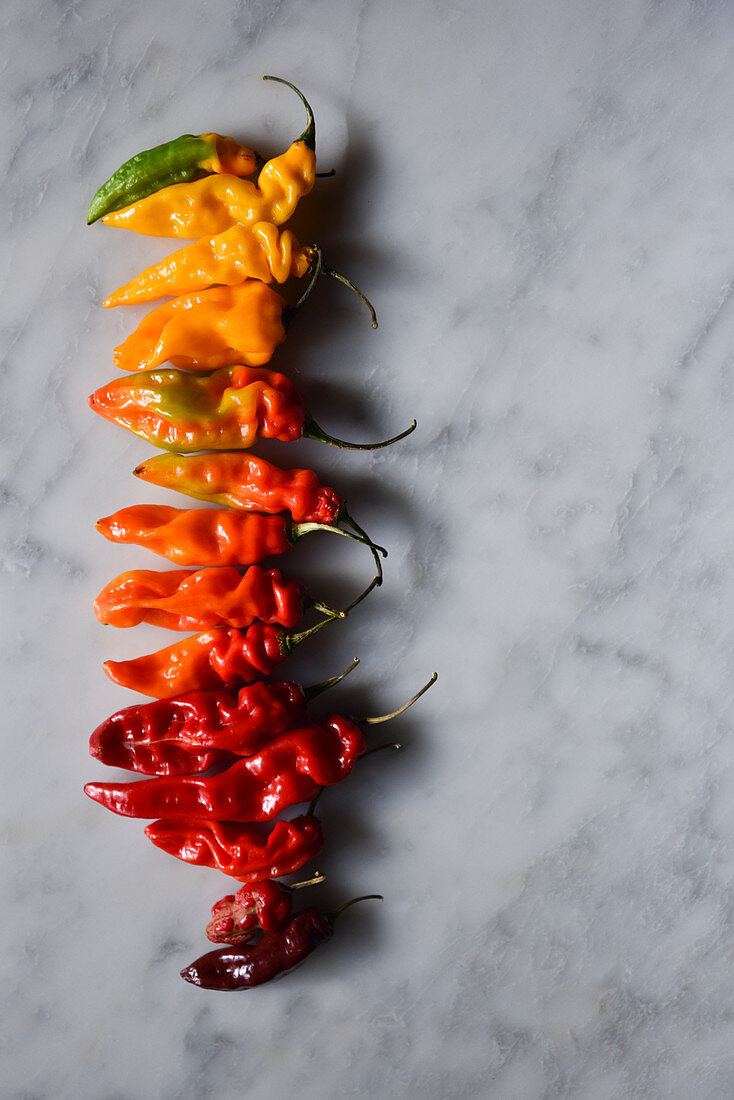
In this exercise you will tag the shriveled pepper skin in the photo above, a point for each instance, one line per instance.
(256, 907)
(243, 850)
(241, 480)
(199, 536)
(185, 599)
(231, 968)
(203, 661)
(214, 204)
(180, 411)
(260, 251)
(212, 328)
(172, 162)
(173, 736)
(290, 769)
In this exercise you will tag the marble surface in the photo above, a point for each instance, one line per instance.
(538, 199)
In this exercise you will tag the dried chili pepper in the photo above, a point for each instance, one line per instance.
(213, 204)
(231, 407)
(244, 850)
(211, 536)
(176, 161)
(202, 599)
(256, 907)
(291, 768)
(193, 732)
(231, 968)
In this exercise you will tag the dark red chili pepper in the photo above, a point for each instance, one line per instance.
(256, 907)
(196, 731)
(244, 850)
(288, 770)
(278, 951)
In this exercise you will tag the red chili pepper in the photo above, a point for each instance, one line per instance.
(208, 660)
(210, 536)
(243, 850)
(196, 731)
(257, 907)
(231, 407)
(187, 599)
(231, 968)
(290, 769)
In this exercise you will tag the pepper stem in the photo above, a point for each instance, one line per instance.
(298, 530)
(316, 689)
(380, 748)
(290, 311)
(351, 521)
(308, 137)
(318, 877)
(353, 901)
(343, 279)
(289, 640)
(395, 713)
(311, 430)
(324, 608)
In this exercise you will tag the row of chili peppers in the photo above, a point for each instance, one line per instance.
(226, 760)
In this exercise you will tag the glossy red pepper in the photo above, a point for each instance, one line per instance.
(257, 907)
(188, 599)
(231, 968)
(244, 850)
(210, 536)
(290, 769)
(196, 731)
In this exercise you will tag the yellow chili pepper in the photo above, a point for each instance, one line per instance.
(215, 203)
(219, 327)
(259, 251)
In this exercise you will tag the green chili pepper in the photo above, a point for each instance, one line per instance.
(173, 162)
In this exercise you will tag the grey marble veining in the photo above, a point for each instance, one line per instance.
(538, 199)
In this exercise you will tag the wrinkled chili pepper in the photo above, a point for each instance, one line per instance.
(231, 407)
(289, 769)
(210, 536)
(260, 251)
(278, 951)
(256, 907)
(244, 850)
(216, 202)
(202, 599)
(208, 660)
(241, 480)
(193, 732)
(176, 161)
(218, 327)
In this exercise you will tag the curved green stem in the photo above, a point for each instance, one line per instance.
(290, 311)
(311, 692)
(311, 430)
(308, 137)
(353, 901)
(395, 713)
(298, 530)
(351, 521)
(289, 640)
(324, 609)
(343, 279)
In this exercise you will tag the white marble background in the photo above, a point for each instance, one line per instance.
(539, 199)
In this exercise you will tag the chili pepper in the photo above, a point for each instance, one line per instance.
(244, 850)
(210, 536)
(188, 599)
(242, 480)
(278, 951)
(193, 732)
(228, 408)
(212, 328)
(208, 660)
(260, 251)
(291, 768)
(216, 202)
(175, 161)
(256, 907)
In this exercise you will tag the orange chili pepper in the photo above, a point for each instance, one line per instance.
(214, 203)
